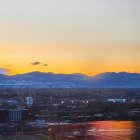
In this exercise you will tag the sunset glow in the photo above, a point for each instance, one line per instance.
(70, 36)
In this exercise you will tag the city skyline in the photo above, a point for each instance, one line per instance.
(88, 37)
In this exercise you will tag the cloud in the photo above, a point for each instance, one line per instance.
(4, 71)
(45, 65)
(39, 63)
(36, 63)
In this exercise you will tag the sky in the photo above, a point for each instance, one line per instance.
(69, 36)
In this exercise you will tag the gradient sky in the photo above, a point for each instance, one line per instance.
(69, 36)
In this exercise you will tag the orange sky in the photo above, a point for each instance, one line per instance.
(87, 37)
(80, 58)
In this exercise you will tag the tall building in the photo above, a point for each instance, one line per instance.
(29, 101)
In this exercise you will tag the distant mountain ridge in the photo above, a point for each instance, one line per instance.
(51, 80)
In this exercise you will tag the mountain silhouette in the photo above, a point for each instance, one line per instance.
(77, 80)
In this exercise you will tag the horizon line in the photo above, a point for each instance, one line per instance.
(69, 73)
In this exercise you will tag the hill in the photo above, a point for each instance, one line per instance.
(52, 80)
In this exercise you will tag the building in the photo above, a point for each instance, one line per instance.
(13, 103)
(15, 115)
(116, 100)
(29, 101)
(18, 115)
(3, 115)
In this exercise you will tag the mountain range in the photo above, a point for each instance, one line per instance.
(52, 80)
